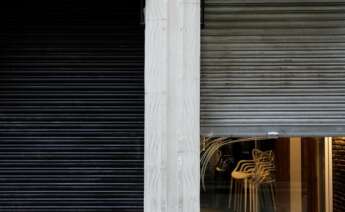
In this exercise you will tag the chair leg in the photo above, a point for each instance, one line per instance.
(245, 195)
(239, 196)
(257, 209)
(254, 198)
(273, 197)
(250, 197)
(230, 193)
(235, 196)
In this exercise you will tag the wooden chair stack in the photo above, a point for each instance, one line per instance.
(248, 177)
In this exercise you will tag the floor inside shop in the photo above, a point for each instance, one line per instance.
(211, 210)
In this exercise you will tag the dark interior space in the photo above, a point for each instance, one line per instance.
(338, 174)
(71, 106)
(220, 195)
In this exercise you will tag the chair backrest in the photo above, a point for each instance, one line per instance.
(262, 156)
(265, 165)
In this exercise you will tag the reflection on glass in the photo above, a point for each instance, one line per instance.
(261, 174)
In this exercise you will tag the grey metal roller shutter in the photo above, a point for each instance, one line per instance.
(71, 107)
(273, 66)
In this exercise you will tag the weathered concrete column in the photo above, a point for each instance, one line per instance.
(172, 77)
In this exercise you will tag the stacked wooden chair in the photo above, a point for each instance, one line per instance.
(248, 177)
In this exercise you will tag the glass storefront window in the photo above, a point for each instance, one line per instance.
(262, 174)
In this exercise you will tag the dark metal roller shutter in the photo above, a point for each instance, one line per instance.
(71, 107)
(273, 66)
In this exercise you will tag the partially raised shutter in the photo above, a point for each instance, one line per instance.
(273, 67)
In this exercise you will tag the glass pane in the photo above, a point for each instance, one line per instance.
(262, 174)
(338, 174)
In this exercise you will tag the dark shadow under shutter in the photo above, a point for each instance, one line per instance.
(71, 107)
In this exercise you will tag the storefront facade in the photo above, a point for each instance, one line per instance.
(225, 81)
(255, 69)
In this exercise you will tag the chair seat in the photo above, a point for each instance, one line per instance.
(240, 175)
